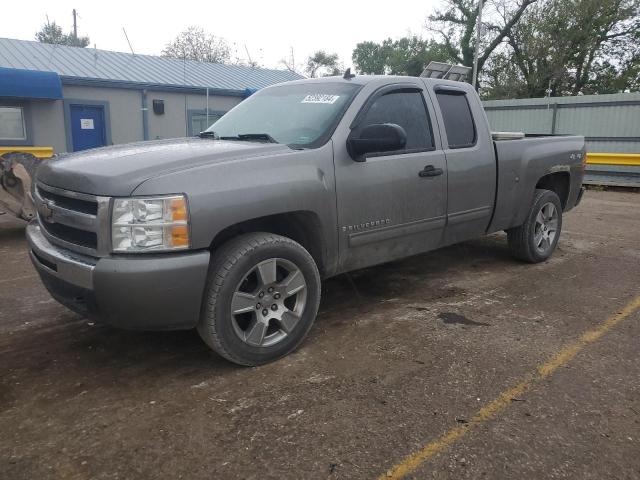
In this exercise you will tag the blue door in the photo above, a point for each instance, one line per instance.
(87, 127)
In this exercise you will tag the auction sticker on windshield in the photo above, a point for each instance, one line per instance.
(320, 98)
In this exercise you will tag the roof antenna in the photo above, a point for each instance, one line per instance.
(347, 74)
(251, 64)
(127, 37)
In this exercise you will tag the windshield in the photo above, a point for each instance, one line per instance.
(302, 115)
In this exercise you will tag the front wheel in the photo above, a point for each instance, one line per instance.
(536, 239)
(261, 299)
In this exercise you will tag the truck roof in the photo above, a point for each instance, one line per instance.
(380, 80)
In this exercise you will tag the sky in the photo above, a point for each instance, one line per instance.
(268, 29)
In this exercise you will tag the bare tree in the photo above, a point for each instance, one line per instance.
(289, 63)
(456, 24)
(195, 44)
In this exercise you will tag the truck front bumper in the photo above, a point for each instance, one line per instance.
(149, 291)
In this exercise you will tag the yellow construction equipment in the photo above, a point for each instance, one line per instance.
(17, 168)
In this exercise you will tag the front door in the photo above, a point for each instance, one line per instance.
(388, 207)
(87, 127)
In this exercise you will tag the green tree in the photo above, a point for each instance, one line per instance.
(370, 58)
(502, 78)
(566, 47)
(52, 33)
(604, 37)
(405, 56)
(322, 63)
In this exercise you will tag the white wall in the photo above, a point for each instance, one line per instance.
(173, 123)
(47, 124)
(125, 109)
(125, 114)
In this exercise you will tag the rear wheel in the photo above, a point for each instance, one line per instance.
(536, 239)
(262, 297)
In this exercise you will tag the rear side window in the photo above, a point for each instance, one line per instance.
(458, 121)
(407, 109)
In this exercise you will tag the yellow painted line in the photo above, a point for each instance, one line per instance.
(629, 159)
(410, 463)
(39, 152)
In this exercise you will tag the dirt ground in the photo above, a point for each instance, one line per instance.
(400, 354)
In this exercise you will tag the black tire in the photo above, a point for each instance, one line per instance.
(522, 239)
(229, 266)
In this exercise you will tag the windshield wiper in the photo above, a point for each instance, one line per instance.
(252, 136)
(208, 134)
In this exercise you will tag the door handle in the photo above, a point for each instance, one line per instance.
(430, 171)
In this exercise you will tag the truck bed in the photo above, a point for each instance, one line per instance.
(521, 161)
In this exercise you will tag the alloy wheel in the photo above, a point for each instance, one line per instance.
(268, 302)
(546, 227)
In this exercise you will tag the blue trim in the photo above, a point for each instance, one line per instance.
(17, 83)
(98, 82)
(67, 119)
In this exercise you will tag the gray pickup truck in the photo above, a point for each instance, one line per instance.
(231, 232)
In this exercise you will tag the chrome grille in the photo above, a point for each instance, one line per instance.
(72, 220)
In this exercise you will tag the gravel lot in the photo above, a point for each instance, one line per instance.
(400, 355)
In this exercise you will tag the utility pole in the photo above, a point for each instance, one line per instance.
(75, 24)
(477, 50)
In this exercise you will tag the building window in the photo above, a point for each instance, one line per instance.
(12, 125)
(198, 120)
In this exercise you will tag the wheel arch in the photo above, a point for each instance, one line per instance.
(301, 226)
(558, 182)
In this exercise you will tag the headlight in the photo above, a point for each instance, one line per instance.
(150, 224)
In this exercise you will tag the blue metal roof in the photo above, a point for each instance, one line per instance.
(29, 84)
(77, 65)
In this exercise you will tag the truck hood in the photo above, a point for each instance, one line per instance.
(118, 170)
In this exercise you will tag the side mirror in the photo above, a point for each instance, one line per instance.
(379, 137)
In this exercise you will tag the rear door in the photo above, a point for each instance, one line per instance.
(87, 126)
(386, 208)
(471, 165)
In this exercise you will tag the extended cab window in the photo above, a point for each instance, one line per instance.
(458, 121)
(404, 108)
